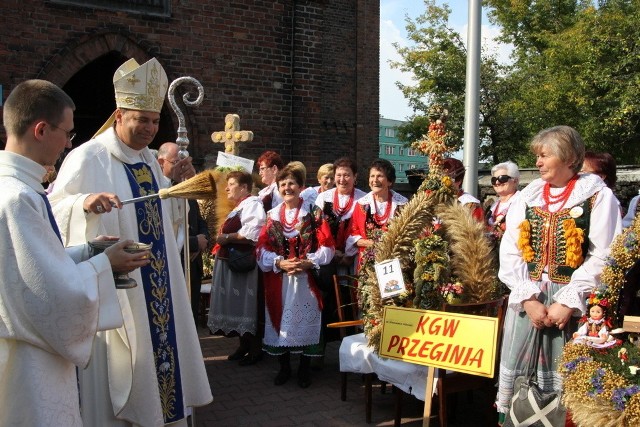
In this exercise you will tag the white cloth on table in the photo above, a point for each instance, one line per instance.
(51, 305)
(356, 356)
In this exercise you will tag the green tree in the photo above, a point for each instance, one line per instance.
(577, 63)
(574, 62)
(437, 60)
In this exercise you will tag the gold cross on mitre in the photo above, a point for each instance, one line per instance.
(231, 134)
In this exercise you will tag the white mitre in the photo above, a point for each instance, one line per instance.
(138, 87)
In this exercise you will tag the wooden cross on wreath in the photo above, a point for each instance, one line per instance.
(231, 134)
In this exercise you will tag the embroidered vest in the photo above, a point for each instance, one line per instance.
(267, 202)
(232, 225)
(339, 227)
(549, 243)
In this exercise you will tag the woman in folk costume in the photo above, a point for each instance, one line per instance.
(557, 239)
(504, 179)
(325, 177)
(151, 370)
(455, 170)
(374, 210)
(291, 246)
(269, 163)
(234, 295)
(336, 206)
(308, 194)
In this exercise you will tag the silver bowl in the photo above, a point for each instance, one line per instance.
(122, 280)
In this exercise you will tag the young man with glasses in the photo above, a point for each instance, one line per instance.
(52, 300)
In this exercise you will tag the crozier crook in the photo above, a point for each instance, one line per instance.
(183, 140)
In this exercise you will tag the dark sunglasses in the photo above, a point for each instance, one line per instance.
(502, 179)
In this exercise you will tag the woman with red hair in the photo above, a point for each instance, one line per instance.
(269, 163)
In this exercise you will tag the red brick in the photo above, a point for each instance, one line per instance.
(241, 52)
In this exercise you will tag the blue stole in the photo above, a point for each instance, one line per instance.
(157, 292)
(52, 220)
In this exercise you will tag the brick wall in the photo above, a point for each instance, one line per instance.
(302, 75)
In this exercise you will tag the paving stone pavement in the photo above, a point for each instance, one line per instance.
(246, 395)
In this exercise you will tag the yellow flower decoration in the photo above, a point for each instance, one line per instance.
(524, 240)
(574, 237)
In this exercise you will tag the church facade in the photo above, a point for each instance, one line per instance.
(302, 75)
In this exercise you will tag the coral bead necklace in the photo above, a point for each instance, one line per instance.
(289, 226)
(382, 219)
(550, 199)
(497, 211)
(336, 203)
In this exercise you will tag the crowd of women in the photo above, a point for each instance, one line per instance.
(305, 235)
(302, 237)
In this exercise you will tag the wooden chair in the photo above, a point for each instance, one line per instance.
(345, 288)
(454, 382)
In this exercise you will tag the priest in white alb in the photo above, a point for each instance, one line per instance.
(52, 300)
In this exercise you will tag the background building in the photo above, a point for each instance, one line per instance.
(303, 75)
(402, 158)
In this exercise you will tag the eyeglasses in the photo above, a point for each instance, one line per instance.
(264, 168)
(173, 162)
(70, 134)
(502, 179)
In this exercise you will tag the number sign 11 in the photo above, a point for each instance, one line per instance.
(389, 277)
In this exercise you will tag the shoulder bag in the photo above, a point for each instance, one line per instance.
(241, 260)
(530, 406)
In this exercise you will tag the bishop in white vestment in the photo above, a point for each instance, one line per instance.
(149, 371)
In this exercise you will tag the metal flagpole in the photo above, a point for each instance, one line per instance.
(183, 141)
(472, 98)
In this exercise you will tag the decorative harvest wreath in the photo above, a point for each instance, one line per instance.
(448, 259)
(602, 386)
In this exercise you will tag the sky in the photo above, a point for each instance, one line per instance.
(392, 29)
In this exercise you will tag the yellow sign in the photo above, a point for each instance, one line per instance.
(459, 342)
